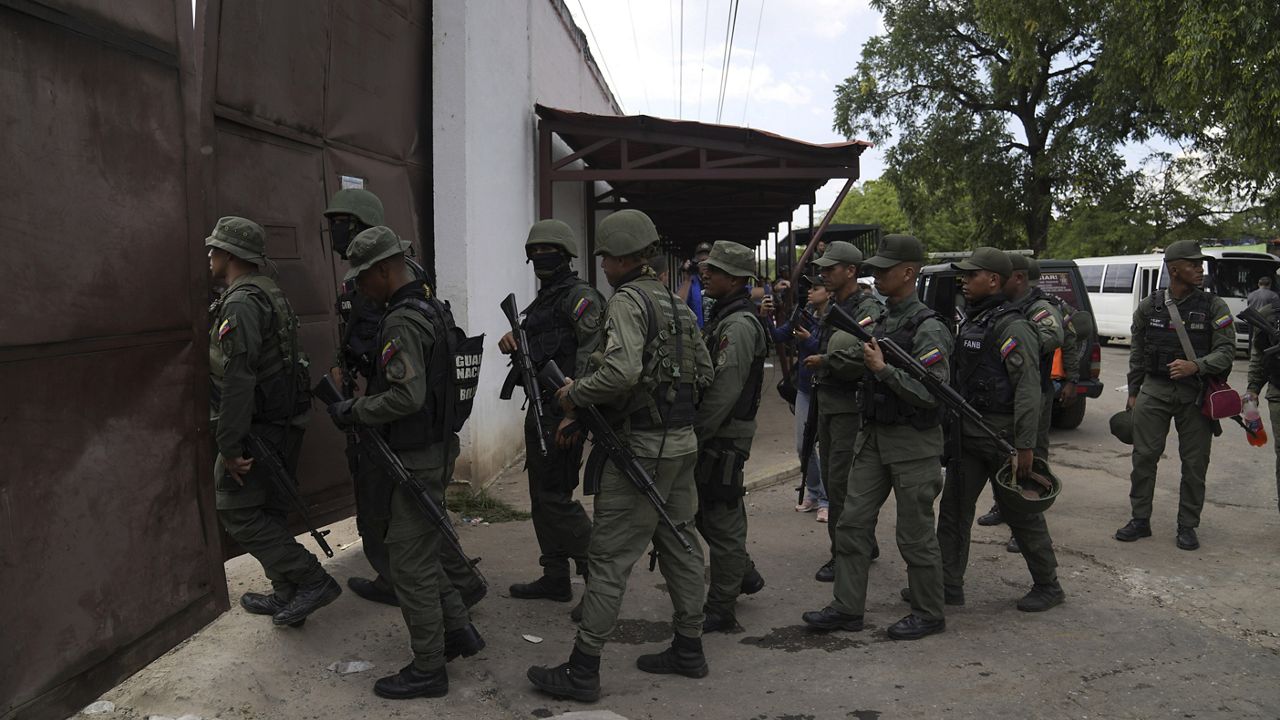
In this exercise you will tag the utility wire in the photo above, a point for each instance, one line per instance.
(671, 26)
(635, 43)
(598, 51)
(702, 58)
(680, 104)
(751, 73)
(730, 32)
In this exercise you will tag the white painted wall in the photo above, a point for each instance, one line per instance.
(491, 62)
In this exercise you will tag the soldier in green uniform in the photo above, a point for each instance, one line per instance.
(563, 324)
(405, 399)
(898, 449)
(259, 382)
(1264, 370)
(646, 382)
(997, 360)
(351, 211)
(837, 374)
(726, 424)
(1165, 384)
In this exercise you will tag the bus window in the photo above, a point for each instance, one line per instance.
(1119, 278)
(1092, 275)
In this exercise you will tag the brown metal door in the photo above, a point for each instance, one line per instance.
(303, 96)
(109, 551)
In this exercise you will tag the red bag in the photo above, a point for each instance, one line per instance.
(1220, 401)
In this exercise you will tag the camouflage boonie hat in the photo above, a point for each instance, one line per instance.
(555, 233)
(372, 246)
(361, 203)
(241, 237)
(733, 258)
(839, 252)
(624, 233)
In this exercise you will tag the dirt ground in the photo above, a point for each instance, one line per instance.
(1148, 631)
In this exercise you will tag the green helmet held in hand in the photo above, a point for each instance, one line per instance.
(554, 233)
(625, 232)
(1027, 496)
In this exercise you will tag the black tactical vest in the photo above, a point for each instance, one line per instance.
(980, 371)
(282, 388)
(358, 322)
(882, 405)
(1272, 364)
(1161, 340)
(749, 401)
(551, 330)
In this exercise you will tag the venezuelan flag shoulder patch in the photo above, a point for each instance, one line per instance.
(1040, 316)
(1009, 346)
(389, 351)
(931, 358)
(581, 308)
(226, 327)
(866, 321)
(1222, 322)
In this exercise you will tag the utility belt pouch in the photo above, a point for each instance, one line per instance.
(719, 475)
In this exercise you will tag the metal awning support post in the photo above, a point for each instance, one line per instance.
(589, 229)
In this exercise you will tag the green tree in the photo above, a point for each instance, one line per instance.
(993, 105)
(874, 202)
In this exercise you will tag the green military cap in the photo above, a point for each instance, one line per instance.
(1184, 250)
(370, 247)
(1122, 426)
(658, 263)
(703, 247)
(1018, 261)
(733, 258)
(241, 237)
(1033, 269)
(624, 233)
(355, 201)
(555, 233)
(816, 280)
(839, 252)
(986, 258)
(896, 249)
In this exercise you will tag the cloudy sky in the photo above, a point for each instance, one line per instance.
(787, 57)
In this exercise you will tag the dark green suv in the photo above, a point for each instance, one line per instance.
(939, 288)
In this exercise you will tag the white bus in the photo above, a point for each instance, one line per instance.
(1116, 284)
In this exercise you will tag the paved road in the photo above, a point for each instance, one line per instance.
(1148, 631)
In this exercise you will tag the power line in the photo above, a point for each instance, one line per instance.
(751, 73)
(702, 59)
(635, 43)
(680, 104)
(598, 51)
(730, 31)
(671, 26)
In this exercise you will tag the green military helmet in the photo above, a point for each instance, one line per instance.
(1122, 426)
(625, 232)
(364, 205)
(239, 236)
(732, 258)
(371, 247)
(1027, 496)
(555, 233)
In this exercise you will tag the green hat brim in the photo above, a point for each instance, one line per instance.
(966, 265)
(729, 269)
(354, 272)
(882, 262)
(243, 254)
(1201, 256)
(826, 262)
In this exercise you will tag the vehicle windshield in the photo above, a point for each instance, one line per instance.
(1236, 278)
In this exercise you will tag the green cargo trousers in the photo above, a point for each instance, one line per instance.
(256, 517)
(915, 485)
(1046, 419)
(724, 527)
(429, 603)
(1157, 405)
(979, 462)
(559, 521)
(836, 435)
(625, 524)
(1274, 407)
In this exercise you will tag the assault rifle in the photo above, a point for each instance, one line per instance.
(896, 356)
(608, 442)
(522, 370)
(263, 453)
(1260, 324)
(328, 393)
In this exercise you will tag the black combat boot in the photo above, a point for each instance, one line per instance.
(463, 642)
(411, 682)
(914, 627)
(713, 621)
(829, 618)
(545, 587)
(578, 679)
(1042, 597)
(1134, 529)
(260, 604)
(1013, 546)
(308, 600)
(684, 657)
(377, 590)
(1187, 539)
(991, 518)
(826, 573)
(951, 595)
(752, 582)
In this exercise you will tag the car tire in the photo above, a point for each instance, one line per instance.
(1068, 417)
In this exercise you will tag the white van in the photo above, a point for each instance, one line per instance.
(1116, 284)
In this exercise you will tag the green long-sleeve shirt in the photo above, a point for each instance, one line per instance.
(734, 344)
(1217, 362)
(841, 354)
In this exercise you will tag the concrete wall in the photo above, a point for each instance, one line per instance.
(492, 61)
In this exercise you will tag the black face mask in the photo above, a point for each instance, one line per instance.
(545, 265)
(341, 232)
